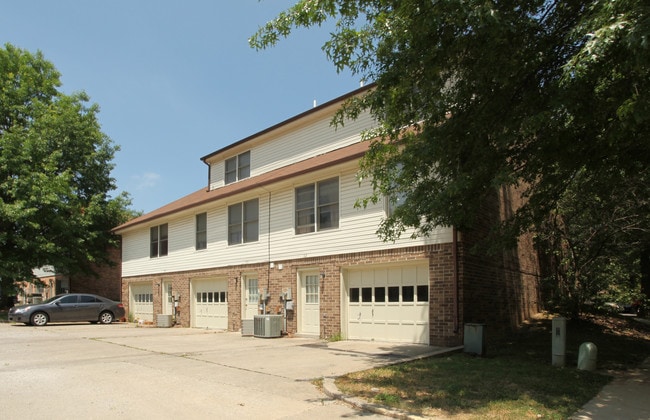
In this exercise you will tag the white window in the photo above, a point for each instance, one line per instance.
(393, 202)
(158, 241)
(243, 222)
(311, 289)
(253, 291)
(397, 199)
(238, 167)
(201, 231)
(317, 206)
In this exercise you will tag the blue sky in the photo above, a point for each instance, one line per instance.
(175, 80)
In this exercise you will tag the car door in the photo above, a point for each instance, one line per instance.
(64, 309)
(89, 308)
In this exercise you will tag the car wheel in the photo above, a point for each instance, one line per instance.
(106, 317)
(39, 319)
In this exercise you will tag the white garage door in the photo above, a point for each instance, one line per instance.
(210, 303)
(388, 304)
(141, 301)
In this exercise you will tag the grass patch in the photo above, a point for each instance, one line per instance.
(335, 337)
(515, 380)
(318, 383)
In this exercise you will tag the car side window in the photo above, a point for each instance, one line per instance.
(87, 299)
(68, 299)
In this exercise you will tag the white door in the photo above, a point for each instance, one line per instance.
(141, 301)
(388, 304)
(309, 303)
(251, 297)
(210, 303)
(167, 298)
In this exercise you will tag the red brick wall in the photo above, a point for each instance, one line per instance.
(443, 315)
(499, 290)
(107, 281)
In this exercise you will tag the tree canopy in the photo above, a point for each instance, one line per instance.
(55, 164)
(473, 95)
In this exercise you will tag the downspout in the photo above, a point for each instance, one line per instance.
(209, 173)
(454, 253)
(268, 246)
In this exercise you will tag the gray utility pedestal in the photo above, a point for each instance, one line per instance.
(587, 356)
(474, 339)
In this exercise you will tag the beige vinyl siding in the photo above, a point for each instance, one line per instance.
(310, 140)
(357, 226)
(356, 232)
(182, 253)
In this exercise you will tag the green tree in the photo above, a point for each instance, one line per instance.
(476, 94)
(55, 181)
(595, 241)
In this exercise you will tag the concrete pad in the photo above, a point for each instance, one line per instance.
(107, 371)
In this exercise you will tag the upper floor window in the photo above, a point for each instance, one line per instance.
(238, 167)
(396, 199)
(317, 206)
(393, 202)
(201, 231)
(243, 222)
(159, 239)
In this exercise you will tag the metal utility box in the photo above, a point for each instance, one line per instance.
(267, 326)
(247, 327)
(474, 339)
(163, 321)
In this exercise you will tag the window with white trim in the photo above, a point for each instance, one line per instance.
(311, 289)
(158, 241)
(243, 222)
(201, 231)
(317, 206)
(238, 168)
(395, 200)
(253, 291)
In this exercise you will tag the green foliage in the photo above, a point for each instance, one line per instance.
(548, 97)
(55, 166)
(335, 337)
(594, 239)
(516, 379)
(388, 399)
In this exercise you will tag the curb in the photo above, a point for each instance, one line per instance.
(330, 389)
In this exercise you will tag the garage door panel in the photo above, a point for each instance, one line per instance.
(361, 312)
(141, 301)
(385, 313)
(389, 304)
(412, 313)
(409, 275)
(371, 278)
(210, 303)
(379, 278)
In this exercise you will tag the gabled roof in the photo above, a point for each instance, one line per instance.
(203, 196)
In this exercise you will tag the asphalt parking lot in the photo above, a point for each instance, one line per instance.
(126, 372)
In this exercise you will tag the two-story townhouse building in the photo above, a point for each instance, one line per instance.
(277, 231)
